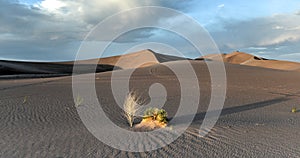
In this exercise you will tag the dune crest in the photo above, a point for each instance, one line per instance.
(133, 60)
(137, 59)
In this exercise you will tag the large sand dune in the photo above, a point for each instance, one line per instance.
(256, 120)
(39, 69)
(251, 60)
(138, 59)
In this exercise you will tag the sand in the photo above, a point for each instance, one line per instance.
(251, 60)
(256, 120)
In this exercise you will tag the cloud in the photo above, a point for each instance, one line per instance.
(221, 6)
(56, 27)
(89, 13)
(50, 5)
(272, 36)
(93, 11)
(257, 48)
(23, 21)
(266, 31)
(53, 29)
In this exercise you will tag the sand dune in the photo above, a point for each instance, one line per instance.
(138, 59)
(142, 58)
(256, 120)
(133, 60)
(251, 60)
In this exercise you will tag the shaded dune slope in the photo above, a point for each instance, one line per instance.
(14, 67)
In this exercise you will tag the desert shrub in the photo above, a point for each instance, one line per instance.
(156, 114)
(294, 110)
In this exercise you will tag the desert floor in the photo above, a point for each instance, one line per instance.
(38, 117)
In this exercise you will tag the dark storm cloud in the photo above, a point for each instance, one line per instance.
(30, 31)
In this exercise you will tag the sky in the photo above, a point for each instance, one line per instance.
(52, 30)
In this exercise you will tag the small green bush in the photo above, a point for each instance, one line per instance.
(294, 110)
(156, 114)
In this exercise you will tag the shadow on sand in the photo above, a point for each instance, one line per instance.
(231, 110)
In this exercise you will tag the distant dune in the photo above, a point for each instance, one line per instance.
(251, 60)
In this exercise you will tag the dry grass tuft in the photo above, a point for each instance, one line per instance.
(131, 107)
(78, 101)
(25, 99)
